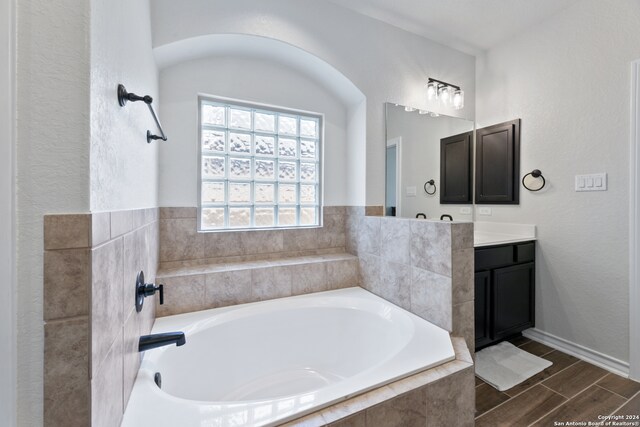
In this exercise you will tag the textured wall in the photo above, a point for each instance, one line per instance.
(249, 79)
(123, 166)
(568, 79)
(384, 62)
(52, 161)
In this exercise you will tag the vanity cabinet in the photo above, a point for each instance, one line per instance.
(504, 291)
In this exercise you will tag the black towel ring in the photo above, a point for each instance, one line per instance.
(536, 174)
(433, 184)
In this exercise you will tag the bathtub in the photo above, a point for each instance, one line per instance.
(265, 363)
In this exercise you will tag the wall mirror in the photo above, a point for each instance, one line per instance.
(417, 144)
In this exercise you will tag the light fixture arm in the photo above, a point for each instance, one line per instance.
(443, 83)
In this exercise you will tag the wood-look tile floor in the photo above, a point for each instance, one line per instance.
(569, 390)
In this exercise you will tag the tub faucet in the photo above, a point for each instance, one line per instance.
(147, 342)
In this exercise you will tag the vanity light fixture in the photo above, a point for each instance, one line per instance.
(423, 112)
(447, 94)
(409, 109)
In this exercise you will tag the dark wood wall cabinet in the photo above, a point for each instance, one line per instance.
(504, 291)
(498, 164)
(455, 169)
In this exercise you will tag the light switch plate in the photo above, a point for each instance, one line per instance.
(591, 182)
(484, 211)
(465, 210)
(411, 191)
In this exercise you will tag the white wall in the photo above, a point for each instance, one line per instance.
(8, 356)
(248, 79)
(123, 166)
(52, 161)
(420, 159)
(384, 62)
(568, 79)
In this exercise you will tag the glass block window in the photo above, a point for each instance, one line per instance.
(259, 166)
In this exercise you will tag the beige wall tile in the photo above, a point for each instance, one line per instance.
(356, 404)
(334, 210)
(395, 241)
(431, 297)
(342, 273)
(182, 294)
(106, 389)
(463, 322)
(121, 223)
(352, 230)
(369, 270)
(66, 373)
(189, 212)
(100, 228)
(228, 288)
(431, 246)
(271, 282)
(407, 410)
(136, 256)
(395, 283)
(130, 354)
(299, 240)
(451, 400)
(462, 235)
(357, 420)
(462, 275)
(332, 233)
(307, 278)
(179, 240)
(106, 298)
(374, 210)
(369, 235)
(67, 231)
(262, 241)
(66, 283)
(223, 244)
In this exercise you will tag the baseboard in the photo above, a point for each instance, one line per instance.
(581, 352)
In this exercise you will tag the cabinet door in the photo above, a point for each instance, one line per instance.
(498, 163)
(455, 169)
(483, 309)
(513, 293)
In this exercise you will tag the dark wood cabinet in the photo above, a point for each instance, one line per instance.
(455, 169)
(498, 164)
(504, 291)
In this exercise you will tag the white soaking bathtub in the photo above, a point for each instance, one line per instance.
(265, 363)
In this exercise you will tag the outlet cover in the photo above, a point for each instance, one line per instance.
(465, 210)
(484, 211)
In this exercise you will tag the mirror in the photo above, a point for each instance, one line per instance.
(413, 158)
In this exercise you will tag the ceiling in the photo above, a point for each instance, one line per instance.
(468, 25)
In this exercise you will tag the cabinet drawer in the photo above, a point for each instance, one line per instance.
(493, 257)
(525, 252)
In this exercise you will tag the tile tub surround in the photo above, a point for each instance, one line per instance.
(216, 269)
(424, 266)
(180, 241)
(441, 396)
(91, 326)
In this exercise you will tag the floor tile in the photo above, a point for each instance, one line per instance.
(560, 361)
(519, 340)
(585, 407)
(575, 378)
(632, 407)
(487, 398)
(619, 385)
(524, 409)
(479, 382)
(536, 348)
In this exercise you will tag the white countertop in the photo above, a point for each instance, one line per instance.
(498, 233)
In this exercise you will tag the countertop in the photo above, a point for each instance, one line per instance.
(499, 233)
